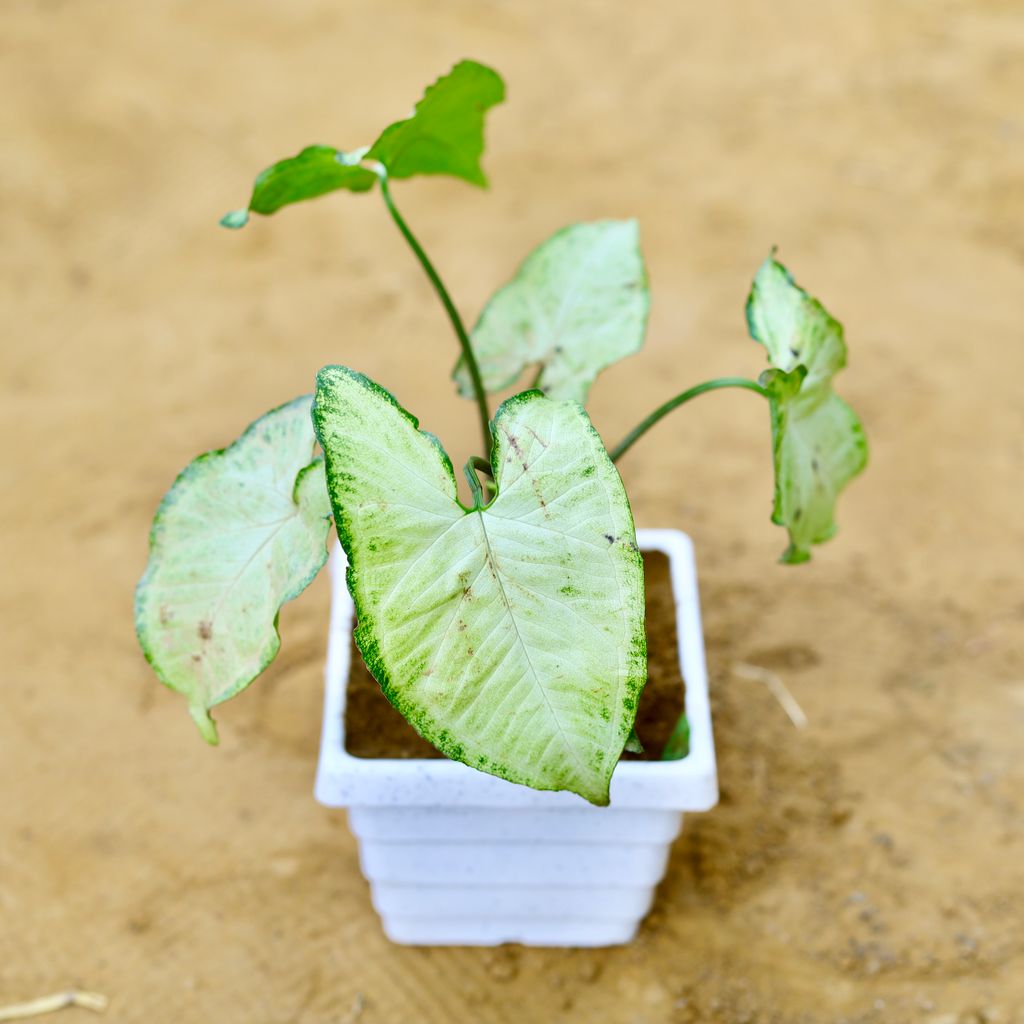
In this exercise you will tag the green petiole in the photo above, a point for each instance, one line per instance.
(482, 491)
(446, 301)
(474, 484)
(673, 403)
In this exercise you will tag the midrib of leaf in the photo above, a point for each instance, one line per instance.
(552, 443)
(245, 568)
(489, 557)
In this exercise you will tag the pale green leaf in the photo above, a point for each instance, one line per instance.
(818, 442)
(794, 327)
(316, 171)
(578, 303)
(511, 637)
(819, 446)
(241, 532)
(445, 134)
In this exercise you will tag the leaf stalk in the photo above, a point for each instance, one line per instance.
(681, 399)
(449, 306)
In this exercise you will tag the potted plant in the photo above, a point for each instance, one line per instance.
(507, 631)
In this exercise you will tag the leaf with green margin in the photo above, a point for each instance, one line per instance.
(445, 134)
(818, 442)
(511, 637)
(242, 531)
(578, 304)
(316, 171)
(793, 326)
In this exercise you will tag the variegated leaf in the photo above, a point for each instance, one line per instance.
(242, 531)
(577, 305)
(510, 636)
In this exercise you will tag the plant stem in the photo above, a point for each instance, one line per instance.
(484, 466)
(474, 484)
(482, 487)
(673, 403)
(449, 306)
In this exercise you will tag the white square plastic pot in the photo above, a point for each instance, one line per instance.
(457, 857)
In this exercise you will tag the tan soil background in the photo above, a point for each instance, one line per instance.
(867, 869)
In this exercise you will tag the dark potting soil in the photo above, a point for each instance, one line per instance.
(373, 728)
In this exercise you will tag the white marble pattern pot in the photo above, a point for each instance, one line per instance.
(457, 857)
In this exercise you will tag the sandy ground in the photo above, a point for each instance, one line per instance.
(867, 869)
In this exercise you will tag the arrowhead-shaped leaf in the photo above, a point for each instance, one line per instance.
(445, 134)
(819, 444)
(242, 531)
(511, 637)
(577, 304)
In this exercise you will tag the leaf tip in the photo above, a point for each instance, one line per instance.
(206, 725)
(794, 555)
(235, 219)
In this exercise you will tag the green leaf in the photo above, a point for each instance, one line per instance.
(577, 304)
(445, 134)
(818, 442)
(316, 171)
(678, 745)
(241, 532)
(511, 637)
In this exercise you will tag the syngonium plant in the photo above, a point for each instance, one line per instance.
(466, 611)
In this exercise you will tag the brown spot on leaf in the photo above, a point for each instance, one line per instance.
(535, 484)
(205, 629)
(514, 443)
(540, 440)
